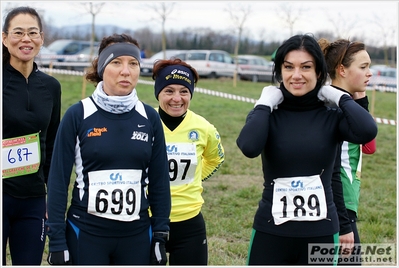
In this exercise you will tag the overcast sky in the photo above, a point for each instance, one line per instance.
(369, 20)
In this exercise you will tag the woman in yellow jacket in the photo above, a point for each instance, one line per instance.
(195, 153)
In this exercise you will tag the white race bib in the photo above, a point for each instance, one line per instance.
(298, 199)
(115, 194)
(182, 158)
(20, 155)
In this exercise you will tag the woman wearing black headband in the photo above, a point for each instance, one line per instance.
(195, 153)
(117, 145)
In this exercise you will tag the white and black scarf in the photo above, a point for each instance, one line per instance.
(114, 104)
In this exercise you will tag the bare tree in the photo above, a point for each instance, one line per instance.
(290, 14)
(385, 33)
(163, 10)
(93, 8)
(341, 25)
(148, 39)
(238, 15)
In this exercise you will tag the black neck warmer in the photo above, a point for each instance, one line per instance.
(309, 101)
(170, 121)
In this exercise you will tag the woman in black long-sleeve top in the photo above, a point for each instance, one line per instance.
(31, 116)
(297, 137)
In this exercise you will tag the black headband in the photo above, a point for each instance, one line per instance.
(113, 51)
(174, 74)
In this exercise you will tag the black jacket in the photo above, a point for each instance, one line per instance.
(301, 138)
(30, 106)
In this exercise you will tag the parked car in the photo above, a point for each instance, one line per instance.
(209, 63)
(254, 68)
(66, 47)
(147, 63)
(82, 59)
(45, 57)
(383, 75)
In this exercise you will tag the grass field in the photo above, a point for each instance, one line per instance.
(232, 194)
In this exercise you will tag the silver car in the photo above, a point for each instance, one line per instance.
(81, 60)
(383, 76)
(45, 57)
(254, 68)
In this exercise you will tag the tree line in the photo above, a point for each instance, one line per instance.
(202, 38)
(233, 40)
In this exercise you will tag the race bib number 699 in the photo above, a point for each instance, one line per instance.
(115, 194)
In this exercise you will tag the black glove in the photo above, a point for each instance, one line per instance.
(59, 258)
(158, 250)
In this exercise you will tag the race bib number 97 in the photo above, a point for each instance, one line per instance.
(298, 199)
(115, 194)
(182, 158)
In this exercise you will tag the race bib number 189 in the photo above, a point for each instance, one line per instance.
(298, 199)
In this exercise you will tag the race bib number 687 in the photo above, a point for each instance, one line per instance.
(20, 155)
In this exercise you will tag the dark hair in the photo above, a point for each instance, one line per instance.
(12, 14)
(92, 74)
(160, 64)
(339, 52)
(304, 42)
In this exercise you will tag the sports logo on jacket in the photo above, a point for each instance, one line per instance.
(193, 135)
(96, 131)
(140, 136)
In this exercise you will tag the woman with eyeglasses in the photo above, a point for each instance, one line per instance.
(31, 115)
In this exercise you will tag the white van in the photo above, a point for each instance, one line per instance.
(147, 64)
(209, 63)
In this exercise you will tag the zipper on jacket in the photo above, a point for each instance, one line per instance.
(27, 92)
